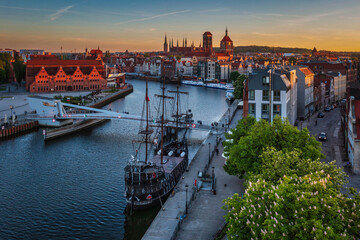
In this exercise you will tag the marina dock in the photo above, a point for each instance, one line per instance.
(170, 219)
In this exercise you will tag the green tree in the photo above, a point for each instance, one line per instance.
(19, 69)
(3, 78)
(276, 164)
(307, 207)
(239, 86)
(244, 153)
(234, 76)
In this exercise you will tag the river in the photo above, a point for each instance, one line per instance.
(73, 187)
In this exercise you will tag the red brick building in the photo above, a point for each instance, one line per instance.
(48, 74)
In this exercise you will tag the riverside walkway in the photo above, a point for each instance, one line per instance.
(205, 215)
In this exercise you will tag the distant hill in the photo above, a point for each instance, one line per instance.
(264, 49)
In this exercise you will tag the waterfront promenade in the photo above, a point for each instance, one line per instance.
(205, 215)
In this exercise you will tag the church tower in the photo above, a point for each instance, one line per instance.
(207, 42)
(165, 45)
(226, 44)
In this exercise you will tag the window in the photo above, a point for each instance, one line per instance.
(265, 111)
(277, 109)
(265, 80)
(265, 95)
(277, 95)
(251, 94)
(252, 109)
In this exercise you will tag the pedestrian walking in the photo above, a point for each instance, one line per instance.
(316, 122)
(217, 152)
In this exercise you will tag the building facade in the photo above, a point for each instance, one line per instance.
(48, 74)
(208, 70)
(282, 97)
(352, 126)
(305, 92)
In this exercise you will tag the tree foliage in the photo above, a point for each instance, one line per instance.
(276, 164)
(239, 86)
(234, 76)
(5, 59)
(307, 207)
(245, 151)
(19, 69)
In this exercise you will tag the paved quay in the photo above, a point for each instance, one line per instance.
(205, 215)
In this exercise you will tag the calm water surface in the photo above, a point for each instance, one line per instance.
(73, 188)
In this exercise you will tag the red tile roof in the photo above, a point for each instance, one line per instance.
(58, 62)
(306, 71)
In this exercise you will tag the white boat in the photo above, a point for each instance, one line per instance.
(227, 86)
(230, 95)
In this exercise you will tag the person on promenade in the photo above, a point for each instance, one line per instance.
(217, 152)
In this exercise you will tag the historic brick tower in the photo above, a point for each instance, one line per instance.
(226, 44)
(207, 42)
(165, 45)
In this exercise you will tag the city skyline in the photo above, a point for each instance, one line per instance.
(141, 25)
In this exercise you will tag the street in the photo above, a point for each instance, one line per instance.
(333, 147)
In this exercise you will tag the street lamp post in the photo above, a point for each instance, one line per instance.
(11, 109)
(209, 153)
(186, 205)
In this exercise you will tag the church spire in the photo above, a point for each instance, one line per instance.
(177, 42)
(185, 41)
(165, 45)
(226, 31)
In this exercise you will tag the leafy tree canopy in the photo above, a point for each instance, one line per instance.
(234, 76)
(276, 164)
(239, 86)
(246, 148)
(307, 207)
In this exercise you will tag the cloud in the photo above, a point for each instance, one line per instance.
(58, 13)
(152, 29)
(310, 18)
(153, 17)
(28, 9)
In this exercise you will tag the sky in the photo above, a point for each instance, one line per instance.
(119, 25)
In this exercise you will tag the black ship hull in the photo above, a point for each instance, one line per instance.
(149, 184)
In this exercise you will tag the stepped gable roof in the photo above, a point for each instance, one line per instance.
(226, 38)
(207, 33)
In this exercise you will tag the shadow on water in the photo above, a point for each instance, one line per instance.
(137, 224)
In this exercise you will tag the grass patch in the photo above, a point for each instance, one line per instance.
(6, 96)
(114, 90)
(2, 88)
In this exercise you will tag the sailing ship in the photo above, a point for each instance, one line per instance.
(149, 181)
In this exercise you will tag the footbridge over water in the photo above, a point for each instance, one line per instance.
(50, 112)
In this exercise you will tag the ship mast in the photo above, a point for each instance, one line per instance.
(162, 116)
(147, 122)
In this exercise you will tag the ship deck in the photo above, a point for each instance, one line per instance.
(170, 163)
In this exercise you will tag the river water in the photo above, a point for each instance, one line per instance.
(73, 187)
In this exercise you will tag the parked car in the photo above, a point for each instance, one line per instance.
(322, 136)
(332, 107)
(321, 115)
(327, 109)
